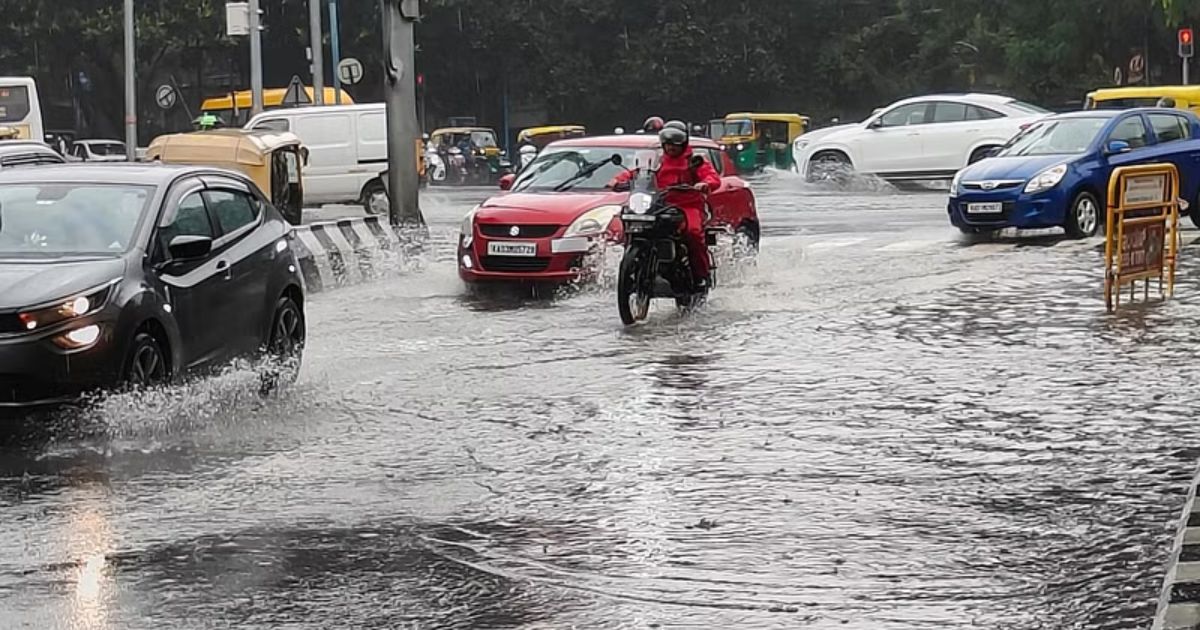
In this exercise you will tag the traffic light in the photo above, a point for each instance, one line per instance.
(1186, 43)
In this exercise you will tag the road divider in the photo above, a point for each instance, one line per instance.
(1179, 603)
(349, 251)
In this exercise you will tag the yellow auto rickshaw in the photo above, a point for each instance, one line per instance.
(1177, 96)
(542, 136)
(755, 141)
(274, 160)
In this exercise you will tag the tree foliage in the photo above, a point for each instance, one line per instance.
(607, 62)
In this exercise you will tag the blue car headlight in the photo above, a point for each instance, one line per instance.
(1047, 179)
(954, 183)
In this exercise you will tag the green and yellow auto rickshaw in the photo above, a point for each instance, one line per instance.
(541, 136)
(756, 141)
(485, 161)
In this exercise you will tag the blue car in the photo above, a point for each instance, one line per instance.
(1055, 172)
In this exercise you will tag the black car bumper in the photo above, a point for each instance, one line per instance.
(36, 372)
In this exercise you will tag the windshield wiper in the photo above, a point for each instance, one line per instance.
(583, 173)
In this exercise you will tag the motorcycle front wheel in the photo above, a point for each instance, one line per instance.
(633, 300)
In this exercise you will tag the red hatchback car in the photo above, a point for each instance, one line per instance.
(560, 210)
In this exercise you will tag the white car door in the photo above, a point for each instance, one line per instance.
(892, 142)
(949, 137)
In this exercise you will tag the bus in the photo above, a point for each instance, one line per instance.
(20, 109)
(234, 110)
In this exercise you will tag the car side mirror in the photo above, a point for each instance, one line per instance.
(875, 124)
(696, 162)
(616, 159)
(184, 248)
(1117, 146)
(991, 152)
(506, 181)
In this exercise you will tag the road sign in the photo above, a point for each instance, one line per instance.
(1142, 230)
(1137, 68)
(166, 96)
(237, 19)
(1118, 76)
(350, 71)
(296, 94)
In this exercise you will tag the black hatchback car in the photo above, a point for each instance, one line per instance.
(137, 274)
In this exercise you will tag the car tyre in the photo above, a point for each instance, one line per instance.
(1083, 217)
(829, 166)
(146, 364)
(285, 348)
(375, 198)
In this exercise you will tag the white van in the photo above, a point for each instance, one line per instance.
(347, 147)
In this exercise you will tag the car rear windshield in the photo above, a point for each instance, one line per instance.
(569, 168)
(1125, 103)
(1063, 136)
(65, 219)
(107, 148)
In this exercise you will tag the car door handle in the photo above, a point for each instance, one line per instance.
(223, 265)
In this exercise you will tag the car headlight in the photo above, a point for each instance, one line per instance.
(1047, 179)
(801, 145)
(67, 309)
(640, 202)
(467, 230)
(954, 184)
(593, 221)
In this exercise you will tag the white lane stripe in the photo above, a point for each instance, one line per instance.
(833, 244)
(369, 240)
(903, 246)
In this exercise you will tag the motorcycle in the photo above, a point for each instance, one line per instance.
(457, 167)
(435, 167)
(656, 263)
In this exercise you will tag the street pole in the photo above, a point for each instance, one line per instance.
(130, 86)
(399, 43)
(318, 51)
(1185, 70)
(256, 78)
(335, 49)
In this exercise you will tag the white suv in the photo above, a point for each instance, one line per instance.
(928, 137)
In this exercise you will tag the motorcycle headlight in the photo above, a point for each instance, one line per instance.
(67, 309)
(593, 221)
(1047, 179)
(954, 184)
(639, 203)
(467, 230)
(740, 146)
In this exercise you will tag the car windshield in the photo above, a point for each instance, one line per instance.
(716, 129)
(556, 167)
(56, 219)
(484, 139)
(107, 148)
(1064, 136)
(739, 127)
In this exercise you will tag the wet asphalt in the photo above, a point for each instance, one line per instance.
(876, 424)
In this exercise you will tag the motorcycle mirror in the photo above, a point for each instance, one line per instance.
(616, 159)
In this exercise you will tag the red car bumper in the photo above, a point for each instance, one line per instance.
(549, 259)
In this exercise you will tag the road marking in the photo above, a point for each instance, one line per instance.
(847, 242)
(904, 246)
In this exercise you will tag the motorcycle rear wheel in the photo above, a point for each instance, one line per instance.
(633, 301)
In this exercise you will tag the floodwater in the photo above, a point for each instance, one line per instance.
(875, 425)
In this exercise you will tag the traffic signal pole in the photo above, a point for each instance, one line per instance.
(1186, 49)
(131, 137)
(403, 130)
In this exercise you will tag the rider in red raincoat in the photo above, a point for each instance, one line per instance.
(675, 169)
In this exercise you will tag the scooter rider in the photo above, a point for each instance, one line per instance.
(676, 168)
(653, 124)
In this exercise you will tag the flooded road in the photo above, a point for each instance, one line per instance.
(878, 425)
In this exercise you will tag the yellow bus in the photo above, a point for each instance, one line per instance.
(234, 110)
